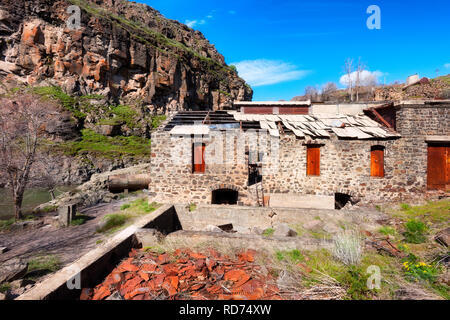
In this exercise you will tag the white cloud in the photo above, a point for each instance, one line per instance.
(193, 23)
(365, 77)
(264, 72)
(447, 65)
(232, 12)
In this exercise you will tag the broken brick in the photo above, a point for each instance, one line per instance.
(144, 275)
(128, 266)
(86, 294)
(101, 293)
(164, 258)
(148, 275)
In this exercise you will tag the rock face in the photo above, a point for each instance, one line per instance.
(125, 51)
(94, 191)
(13, 269)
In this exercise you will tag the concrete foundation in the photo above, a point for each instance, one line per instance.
(175, 226)
(293, 200)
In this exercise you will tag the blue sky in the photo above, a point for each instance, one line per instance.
(280, 47)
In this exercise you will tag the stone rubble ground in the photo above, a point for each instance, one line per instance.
(186, 275)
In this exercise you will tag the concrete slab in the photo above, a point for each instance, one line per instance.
(292, 200)
(192, 239)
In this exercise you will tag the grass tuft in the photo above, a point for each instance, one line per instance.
(268, 232)
(347, 247)
(42, 265)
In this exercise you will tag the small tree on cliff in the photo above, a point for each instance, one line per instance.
(22, 125)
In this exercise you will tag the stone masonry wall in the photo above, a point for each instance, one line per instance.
(344, 165)
(172, 178)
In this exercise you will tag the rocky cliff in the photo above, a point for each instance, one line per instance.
(126, 52)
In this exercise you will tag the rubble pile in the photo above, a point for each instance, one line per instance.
(186, 275)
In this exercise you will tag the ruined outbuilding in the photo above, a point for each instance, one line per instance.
(298, 154)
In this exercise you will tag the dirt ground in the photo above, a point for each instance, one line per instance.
(68, 244)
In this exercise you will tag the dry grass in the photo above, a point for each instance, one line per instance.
(348, 247)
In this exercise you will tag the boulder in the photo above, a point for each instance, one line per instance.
(149, 237)
(3, 250)
(2, 296)
(411, 292)
(443, 237)
(283, 230)
(212, 228)
(331, 228)
(313, 225)
(13, 269)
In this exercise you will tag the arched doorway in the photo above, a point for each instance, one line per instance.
(224, 196)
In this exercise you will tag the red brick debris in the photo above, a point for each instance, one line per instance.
(186, 275)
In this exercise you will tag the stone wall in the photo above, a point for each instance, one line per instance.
(344, 165)
(172, 178)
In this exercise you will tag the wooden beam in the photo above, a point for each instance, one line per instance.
(375, 112)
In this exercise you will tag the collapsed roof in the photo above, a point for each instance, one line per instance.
(314, 126)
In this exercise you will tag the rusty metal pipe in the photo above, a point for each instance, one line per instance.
(120, 183)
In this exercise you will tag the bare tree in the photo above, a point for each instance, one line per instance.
(22, 126)
(311, 93)
(348, 70)
(328, 89)
(358, 82)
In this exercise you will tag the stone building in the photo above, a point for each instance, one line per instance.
(289, 154)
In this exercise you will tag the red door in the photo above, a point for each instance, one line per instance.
(199, 158)
(438, 175)
(377, 162)
(313, 161)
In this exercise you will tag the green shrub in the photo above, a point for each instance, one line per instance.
(69, 103)
(125, 114)
(109, 147)
(125, 206)
(415, 269)
(79, 220)
(405, 206)
(293, 256)
(113, 221)
(5, 287)
(355, 281)
(192, 207)
(268, 232)
(415, 231)
(5, 224)
(386, 230)
(157, 120)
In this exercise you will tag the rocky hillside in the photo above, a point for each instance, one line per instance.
(438, 88)
(115, 78)
(124, 51)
